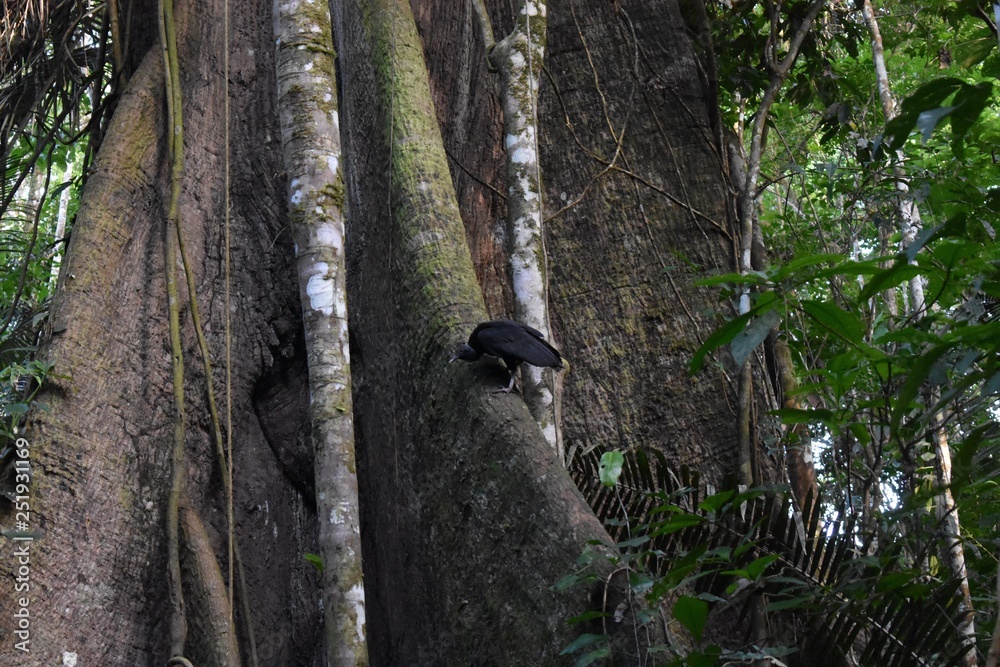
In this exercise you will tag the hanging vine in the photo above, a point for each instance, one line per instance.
(175, 142)
(177, 497)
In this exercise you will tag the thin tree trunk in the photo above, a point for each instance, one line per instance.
(60, 233)
(519, 57)
(798, 441)
(909, 213)
(993, 656)
(748, 220)
(310, 133)
(954, 553)
(947, 511)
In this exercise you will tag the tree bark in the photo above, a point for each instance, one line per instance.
(467, 102)
(468, 519)
(636, 202)
(100, 455)
(310, 133)
(518, 58)
(212, 631)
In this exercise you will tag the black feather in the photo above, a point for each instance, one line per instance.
(511, 341)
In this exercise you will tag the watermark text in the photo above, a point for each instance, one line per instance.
(22, 537)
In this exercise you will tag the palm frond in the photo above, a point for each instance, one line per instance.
(858, 609)
(52, 71)
(20, 340)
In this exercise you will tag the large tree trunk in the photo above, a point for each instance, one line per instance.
(100, 456)
(468, 518)
(636, 201)
(466, 101)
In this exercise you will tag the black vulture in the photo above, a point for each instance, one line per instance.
(511, 341)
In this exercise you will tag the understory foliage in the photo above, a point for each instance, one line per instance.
(55, 95)
(893, 323)
(700, 566)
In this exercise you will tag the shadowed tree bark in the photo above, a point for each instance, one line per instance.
(636, 210)
(518, 58)
(100, 455)
(468, 517)
(636, 203)
(403, 231)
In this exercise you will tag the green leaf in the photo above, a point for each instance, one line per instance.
(633, 542)
(571, 580)
(588, 616)
(886, 279)
(721, 336)
(597, 654)
(924, 236)
(15, 409)
(679, 522)
(692, 614)
(970, 102)
(800, 416)
(929, 96)
(893, 580)
(753, 335)
(973, 51)
(610, 468)
(793, 603)
(640, 583)
(583, 641)
(915, 379)
(809, 261)
(991, 65)
(928, 120)
(967, 448)
(315, 560)
(836, 320)
(766, 301)
(720, 554)
(715, 501)
(739, 574)
(757, 567)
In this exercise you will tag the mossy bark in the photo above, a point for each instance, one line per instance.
(465, 92)
(468, 519)
(310, 133)
(100, 455)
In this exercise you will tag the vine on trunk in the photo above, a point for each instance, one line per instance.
(177, 497)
